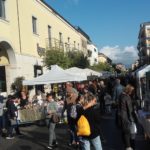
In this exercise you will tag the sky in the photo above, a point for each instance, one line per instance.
(113, 25)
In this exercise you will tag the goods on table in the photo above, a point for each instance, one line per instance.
(31, 114)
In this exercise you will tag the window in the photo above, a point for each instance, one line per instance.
(49, 32)
(49, 35)
(2, 9)
(94, 49)
(78, 46)
(148, 32)
(74, 44)
(60, 37)
(68, 40)
(34, 25)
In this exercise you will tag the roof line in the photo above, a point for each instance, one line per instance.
(45, 3)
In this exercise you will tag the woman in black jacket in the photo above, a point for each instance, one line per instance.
(11, 117)
(91, 112)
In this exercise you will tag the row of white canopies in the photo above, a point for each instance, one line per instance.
(59, 75)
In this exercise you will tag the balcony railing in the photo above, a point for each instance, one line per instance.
(53, 43)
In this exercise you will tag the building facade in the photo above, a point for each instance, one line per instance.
(92, 54)
(144, 44)
(27, 29)
(102, 58)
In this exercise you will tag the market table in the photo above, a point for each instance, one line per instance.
(30, 114)
(144, 119)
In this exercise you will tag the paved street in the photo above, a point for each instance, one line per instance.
(36, 138)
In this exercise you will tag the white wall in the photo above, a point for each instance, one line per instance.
(94, 55)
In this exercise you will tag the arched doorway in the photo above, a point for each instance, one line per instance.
(7, 58)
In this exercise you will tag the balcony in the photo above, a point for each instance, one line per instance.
(54, 43)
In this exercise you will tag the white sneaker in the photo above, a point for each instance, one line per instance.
(10, 137)
(129, 148)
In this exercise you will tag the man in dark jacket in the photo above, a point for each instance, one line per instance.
(12, 114)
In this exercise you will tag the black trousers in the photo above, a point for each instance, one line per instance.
(129, 141)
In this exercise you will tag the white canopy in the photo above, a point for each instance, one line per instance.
(90, 72)
(55, 75)
(76, 71)
(141, 73)
(83, 72)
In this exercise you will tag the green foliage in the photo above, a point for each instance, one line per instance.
(54, 57)
(77, 59)
(102, 67)
(17, 84)
(65, 60)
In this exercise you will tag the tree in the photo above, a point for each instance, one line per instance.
(102, 67)
(55, 56)
(65, 60)
(17, 84)
(78, 59)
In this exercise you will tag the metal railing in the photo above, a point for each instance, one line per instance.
(53, 43)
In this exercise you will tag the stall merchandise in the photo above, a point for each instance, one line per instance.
(31, 114)
(144, 119)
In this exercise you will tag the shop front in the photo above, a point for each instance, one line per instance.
(7, 62)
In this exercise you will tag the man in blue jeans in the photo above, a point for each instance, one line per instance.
(52, 108)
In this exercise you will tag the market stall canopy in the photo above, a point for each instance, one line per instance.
(90, 72)
(55, 75)
(142, 71)
(76, 71)
(87, 72)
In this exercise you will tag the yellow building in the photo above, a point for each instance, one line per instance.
(103, 58)
(27, 29)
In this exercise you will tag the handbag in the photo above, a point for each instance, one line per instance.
(83, 126)
(13, 122)
(55, 118)
(133, 128)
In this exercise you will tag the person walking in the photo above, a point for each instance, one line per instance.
(71, 97)
(127, 118)
(118, 88)
(91, 113)
(52, 109)
(1, 114)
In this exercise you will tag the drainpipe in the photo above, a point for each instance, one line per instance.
(19, 27)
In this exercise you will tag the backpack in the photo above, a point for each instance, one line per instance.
(73, 112)
(83, 127)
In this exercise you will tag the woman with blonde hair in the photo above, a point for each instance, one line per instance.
(127, 117)
(91, 112)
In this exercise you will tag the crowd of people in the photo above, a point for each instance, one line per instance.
(83, 102)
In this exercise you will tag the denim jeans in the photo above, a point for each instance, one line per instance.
(72, 130)
(96, 142)
(52, 135)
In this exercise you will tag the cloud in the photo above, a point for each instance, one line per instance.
(126, 55)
